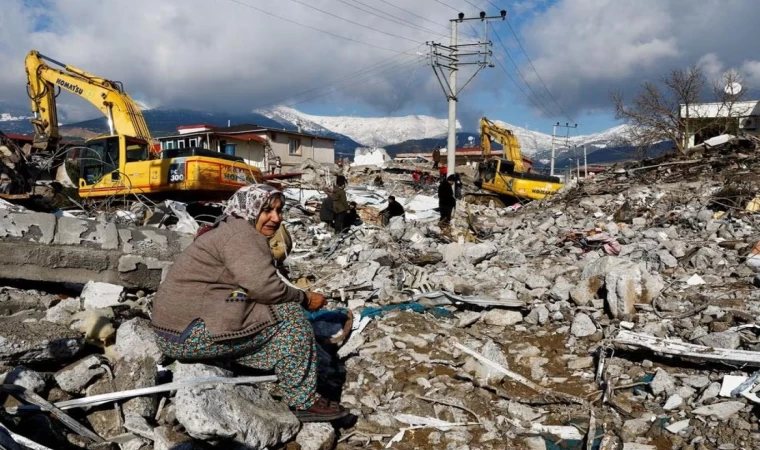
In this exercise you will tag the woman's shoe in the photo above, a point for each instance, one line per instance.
(321, 411)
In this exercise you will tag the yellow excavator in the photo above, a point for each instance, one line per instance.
(508, 176)
(122, 163)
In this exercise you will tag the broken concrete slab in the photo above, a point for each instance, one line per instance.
(721, 411)
(137, 373)
(725, 339)
(316, 436)
(582, 326)
(23, 376)
(97, 295)
(136, 339)
(244, 414)
(502, 318)
(75, 377)
(37, 342)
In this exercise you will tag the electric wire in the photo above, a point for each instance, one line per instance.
(395, 19)
(446, 5)
(537, 74)
(313, 28)
(403, 67)
(389, 62)
(517, 68)
(354, 22)
(543, 111)
(413, 14)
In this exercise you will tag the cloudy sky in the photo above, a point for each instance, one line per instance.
(366, 57)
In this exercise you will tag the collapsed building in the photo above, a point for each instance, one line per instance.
(618, 314)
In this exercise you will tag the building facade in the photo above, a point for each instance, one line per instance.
(708, 120)
(258, 146)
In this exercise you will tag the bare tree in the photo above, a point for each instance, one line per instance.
(654, 114)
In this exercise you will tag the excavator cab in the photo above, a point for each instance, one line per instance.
(106, 162)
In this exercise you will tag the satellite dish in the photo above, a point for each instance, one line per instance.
(470, 138)
(733, 88)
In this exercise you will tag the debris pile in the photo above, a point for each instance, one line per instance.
(622, 313)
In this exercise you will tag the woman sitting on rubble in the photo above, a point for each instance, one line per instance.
(223, 300)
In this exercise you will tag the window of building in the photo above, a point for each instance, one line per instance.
(294, 147)
(180, 143)
(193, 142)
(168, 145)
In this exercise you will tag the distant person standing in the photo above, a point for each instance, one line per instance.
(340, 203)
(436, 157)
(446, 199)
(278, 164)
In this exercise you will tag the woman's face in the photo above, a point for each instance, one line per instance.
(270, 218)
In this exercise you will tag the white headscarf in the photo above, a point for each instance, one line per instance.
(248, 201)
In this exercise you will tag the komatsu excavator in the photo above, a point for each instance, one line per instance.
(121, 163)
(508, 176)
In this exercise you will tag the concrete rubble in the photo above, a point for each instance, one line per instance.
(622, 311)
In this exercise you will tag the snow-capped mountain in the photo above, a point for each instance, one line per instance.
(368, 131)
(538, 145)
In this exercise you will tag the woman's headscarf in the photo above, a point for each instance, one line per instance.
(248, 201)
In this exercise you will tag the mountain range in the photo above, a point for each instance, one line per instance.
(407, 134)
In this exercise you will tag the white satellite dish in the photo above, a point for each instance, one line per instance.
(470, 138)
(733, 88)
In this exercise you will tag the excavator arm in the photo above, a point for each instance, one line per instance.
(512, 152)
(124, 116)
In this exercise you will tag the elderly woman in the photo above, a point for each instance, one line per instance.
(223, 300)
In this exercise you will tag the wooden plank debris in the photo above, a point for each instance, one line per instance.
(23, 394)
(685, 350)
(101, 399)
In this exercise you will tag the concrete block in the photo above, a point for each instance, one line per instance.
(97, 295)
(70, 231)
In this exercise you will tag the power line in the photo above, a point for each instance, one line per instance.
(397, 19)
(365, 71)
(405, 66)
(498, 61)
(537, 74)
(353, 22)
(413, 14)
(517, 68)
(314, 28)
(446, 5)
(494, 4)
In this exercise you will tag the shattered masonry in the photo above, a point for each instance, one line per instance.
(623, 311)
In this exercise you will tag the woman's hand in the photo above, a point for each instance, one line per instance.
(315, 301)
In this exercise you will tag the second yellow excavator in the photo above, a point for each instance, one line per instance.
(508, 176)
(122, 163)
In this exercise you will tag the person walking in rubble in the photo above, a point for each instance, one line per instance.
(340, 204)
(436, 157)
(446, 199)
(223, 300)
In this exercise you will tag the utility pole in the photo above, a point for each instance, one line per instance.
(554, 136)
(456, 58)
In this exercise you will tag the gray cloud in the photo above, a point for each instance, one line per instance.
(220, 55)
(585, 48)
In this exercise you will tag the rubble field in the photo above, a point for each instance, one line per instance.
(620, 314)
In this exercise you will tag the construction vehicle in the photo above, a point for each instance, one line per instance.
(507, 176)
(121, 163)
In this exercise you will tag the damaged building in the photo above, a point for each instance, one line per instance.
(620, 313)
